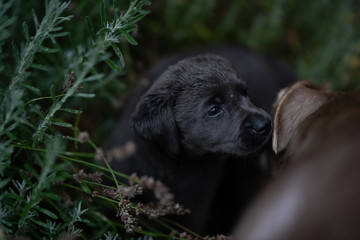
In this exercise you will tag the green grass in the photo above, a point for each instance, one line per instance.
(66, 65)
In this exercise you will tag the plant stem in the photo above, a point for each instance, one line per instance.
(94, 166)
(106, 163)
(42, 98)
(76, 154)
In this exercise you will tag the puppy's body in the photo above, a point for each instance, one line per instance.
(317, 194)
(187, 124)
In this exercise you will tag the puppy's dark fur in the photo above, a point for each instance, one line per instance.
(192, 125)
(316, 196)
(201, 106)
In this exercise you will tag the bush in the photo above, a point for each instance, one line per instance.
(46, 192)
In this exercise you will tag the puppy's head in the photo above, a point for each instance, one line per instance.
(293, 106)
(199, 106)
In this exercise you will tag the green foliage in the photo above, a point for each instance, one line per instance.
(318, 38)
(41, 196)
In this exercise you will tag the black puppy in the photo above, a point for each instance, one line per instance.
(196, 115)
(201, 106)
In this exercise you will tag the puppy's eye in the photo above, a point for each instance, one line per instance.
(215, 110)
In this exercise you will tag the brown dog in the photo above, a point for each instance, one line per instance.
(317, 195)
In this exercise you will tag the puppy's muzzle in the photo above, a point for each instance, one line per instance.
(258, 125)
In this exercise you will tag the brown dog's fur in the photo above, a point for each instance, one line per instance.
(292, 107)
(316, 196)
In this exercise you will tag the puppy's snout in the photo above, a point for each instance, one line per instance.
(258, 125)
(262, 126)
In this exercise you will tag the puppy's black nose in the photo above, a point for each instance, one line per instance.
(262, 126)
(258, 124)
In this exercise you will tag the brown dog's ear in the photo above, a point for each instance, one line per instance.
(153, 120)
(293, 105)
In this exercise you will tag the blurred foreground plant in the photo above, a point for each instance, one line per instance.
(45, 193)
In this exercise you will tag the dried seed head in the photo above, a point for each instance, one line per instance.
(99, 154)
(133, 179)
(110, 193)
(121, 152)
(70, 81)
(130, 222)
(94, 177)
(130, 191)
(218, 237)
(80, 175)
(83, 137)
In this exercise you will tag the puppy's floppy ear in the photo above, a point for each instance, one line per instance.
(293, 105)
(153, 120)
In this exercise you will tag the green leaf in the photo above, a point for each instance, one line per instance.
(56, 29)
(119, 54)
(90, 27)
(6, 228)
(71, 138)
(39, 67)
(94, 77)
(8, 22)
(47, 212)
(4, 182)
(85, 188)
(71, 110)
(43, 49)
(103, 31)
(25, 122)
(56, 35)
(4, 34)
(116, 8)
(137, 18)
(26, 31)
(85, 95)
(129, 38)
(60, 20)
(52, 196)
(31, 88)
(13, 196)
(36, 110)
(36, 20)
(52, 92)
(62, 124)
(129, 28)
(112, 65)
(16, 50)
(24, 174)
(144, 2)
(12, 137)
(26, 130)
(52, 38)
(103, 13)
(12, 126)
(47, 226)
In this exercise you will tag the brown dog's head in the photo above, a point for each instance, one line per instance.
(201, 106)
(293, 106)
